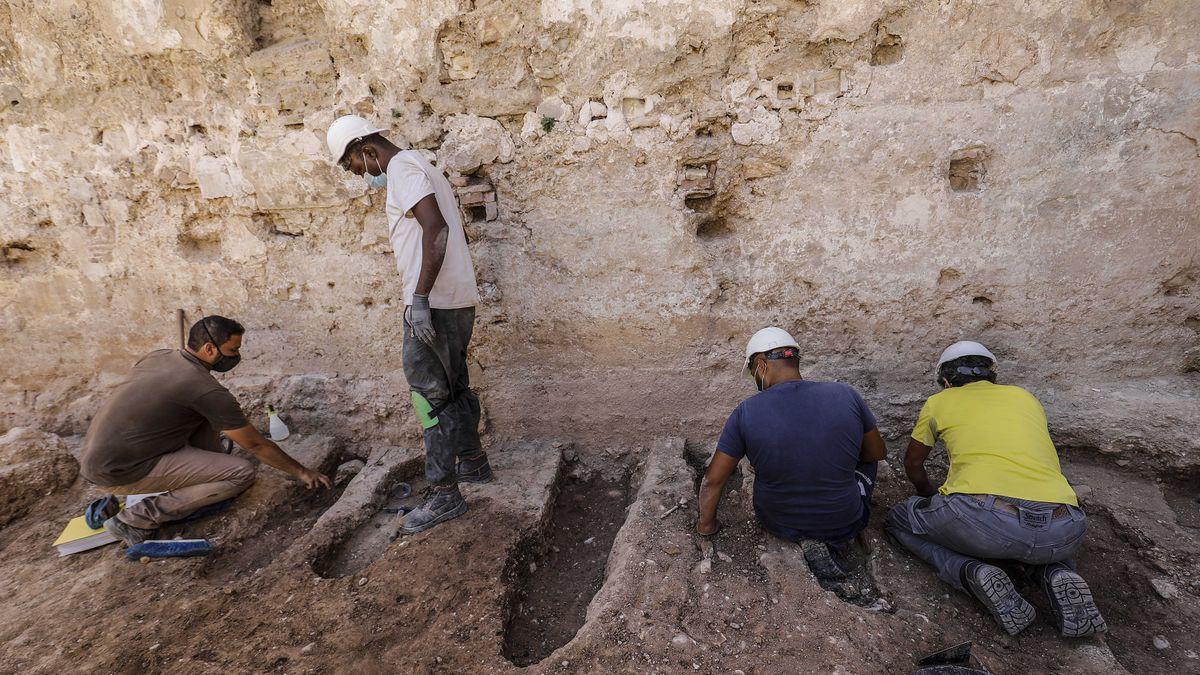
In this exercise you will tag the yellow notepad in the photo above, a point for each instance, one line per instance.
(77, 536)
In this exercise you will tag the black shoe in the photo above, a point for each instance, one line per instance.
(444, 504)
(992, 587)
(476, 470)
(132, 536)
(820, 560)
(1072, 602)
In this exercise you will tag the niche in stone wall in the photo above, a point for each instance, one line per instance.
(477, 197)
(889, 48)
(697, 183)
(968, 168)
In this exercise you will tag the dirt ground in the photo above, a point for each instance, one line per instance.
(313, 582)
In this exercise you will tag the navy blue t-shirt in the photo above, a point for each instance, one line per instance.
(803, 439)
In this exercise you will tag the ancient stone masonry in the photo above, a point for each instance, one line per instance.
(644, 183)
(643, 180)
(477, 198)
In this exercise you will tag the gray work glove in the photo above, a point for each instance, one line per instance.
(420, 319)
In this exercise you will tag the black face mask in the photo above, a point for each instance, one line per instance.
(224, 362)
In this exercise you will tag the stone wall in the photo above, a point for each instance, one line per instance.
(648, 182)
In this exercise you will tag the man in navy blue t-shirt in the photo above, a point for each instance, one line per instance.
(813, 446)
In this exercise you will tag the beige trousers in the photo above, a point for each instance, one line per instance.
(192, 478)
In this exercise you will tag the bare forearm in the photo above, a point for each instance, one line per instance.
(710, 497)
(433, 253)
(920, 479)
(272, 455)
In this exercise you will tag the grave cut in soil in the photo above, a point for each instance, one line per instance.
(555, 577)
(370, 540)
(283, 526)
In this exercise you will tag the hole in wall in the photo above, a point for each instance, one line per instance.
(968, 168)
(554, 577)
(16, 251)
(633, 107)
(982, 300)
(713, 228)
(888, 51)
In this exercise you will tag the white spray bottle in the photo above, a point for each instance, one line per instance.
(279, 430)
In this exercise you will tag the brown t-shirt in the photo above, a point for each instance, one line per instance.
(168, 395)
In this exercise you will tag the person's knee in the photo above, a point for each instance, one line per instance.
(243, 474)
(897, 517)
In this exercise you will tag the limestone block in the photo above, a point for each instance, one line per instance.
(555, 109)
(531, 127)
(33, 464)
(293, 76)
(1138, 50)
(849, 19)
(39, 60)
(760, 167)
(459, 50)
(291, 172)
(1004, 56)
(590, 111)
(473, 141)
(762, 127)
(11, 97)
(140, 26)
(219, 177)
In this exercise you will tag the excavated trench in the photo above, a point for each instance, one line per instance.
(554, 575)
(368, 541)
(283, 526)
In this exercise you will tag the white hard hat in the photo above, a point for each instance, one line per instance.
(964, 348)
(767, 339)
(344, 131)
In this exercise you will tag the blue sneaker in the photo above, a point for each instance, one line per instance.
(444, 504)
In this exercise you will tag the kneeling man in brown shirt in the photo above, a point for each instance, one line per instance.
(159, 431)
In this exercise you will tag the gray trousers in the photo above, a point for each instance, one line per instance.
(439, 373)
(949, 531)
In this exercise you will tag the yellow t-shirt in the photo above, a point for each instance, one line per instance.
(998, 443)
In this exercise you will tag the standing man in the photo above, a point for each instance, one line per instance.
(159, 432)
(814, 447)
(1005, 497)
(427, 237)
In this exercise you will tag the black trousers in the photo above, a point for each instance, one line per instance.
(439, 373)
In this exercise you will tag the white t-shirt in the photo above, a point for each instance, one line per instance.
(410, 178)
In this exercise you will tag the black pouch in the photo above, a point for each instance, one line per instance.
(101, 510)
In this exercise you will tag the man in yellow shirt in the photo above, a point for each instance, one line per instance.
(1005, 497)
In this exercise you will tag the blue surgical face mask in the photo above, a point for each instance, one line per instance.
(375, 180)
